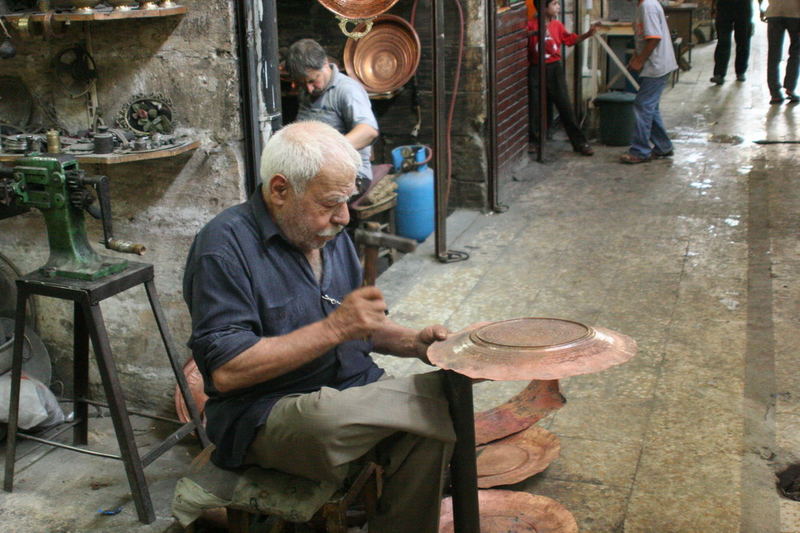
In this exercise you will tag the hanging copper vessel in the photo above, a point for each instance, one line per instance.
(531, 348)
(386, 58)
(506, 511)
(533, 403)
(517, 457)
(357, 12)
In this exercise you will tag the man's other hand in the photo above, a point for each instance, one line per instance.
(427, 336)
(636, 64)
(361, 313)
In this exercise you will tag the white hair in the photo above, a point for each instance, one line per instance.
(300, 150)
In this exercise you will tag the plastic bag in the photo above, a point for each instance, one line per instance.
(38, 405)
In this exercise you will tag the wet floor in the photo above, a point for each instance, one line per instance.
(696, 257)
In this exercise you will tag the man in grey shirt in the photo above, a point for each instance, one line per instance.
(654, 61)
(782, 16)
(328, 96)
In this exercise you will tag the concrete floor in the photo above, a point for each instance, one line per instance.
(693, 257)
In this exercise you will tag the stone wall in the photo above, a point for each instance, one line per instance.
(192, 59)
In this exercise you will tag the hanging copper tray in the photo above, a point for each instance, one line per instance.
(516, 458)
(387, 57)
(358, 9)
(536, 401)
(195, 380)
(506, 511)
(531, 348)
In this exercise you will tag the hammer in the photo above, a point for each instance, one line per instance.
(372, 239)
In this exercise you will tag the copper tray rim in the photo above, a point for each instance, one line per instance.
(357, 10)
(351, 46)
(495, 502)
(533, 437)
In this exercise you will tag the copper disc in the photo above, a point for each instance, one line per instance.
(358, 9)
(505, 511)
(387, 57)
(536, 401)
(195, 380)
(531, 348)
(516, 458)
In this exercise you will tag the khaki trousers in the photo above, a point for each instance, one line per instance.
(403, 424)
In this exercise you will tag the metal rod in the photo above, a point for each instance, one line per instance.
(617, 61)
(16, 381)
(50, 434)
(439, 125)
(130, 411)
(577, 69)
(542, 18)
(271, 81)
(248, 74)
(167, 443)
(463, 467)
(68, 447)
(491, 101)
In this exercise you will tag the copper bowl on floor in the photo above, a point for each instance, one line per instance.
(517, 457)
(385, 58)
(531, 348)
(506, 511)
(358, 9)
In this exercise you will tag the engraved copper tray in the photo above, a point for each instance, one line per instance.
(534, 402)
(531, 348)
(506, 511)
(358, 9)
(516, 458)
(385, 58)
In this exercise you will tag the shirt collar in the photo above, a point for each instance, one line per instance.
(267, 227)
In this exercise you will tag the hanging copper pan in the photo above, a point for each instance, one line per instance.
(517, 457)
(535, 402)
(506, 511)
(531, 348)
(195, 380)
(355, 12)
(386, 58)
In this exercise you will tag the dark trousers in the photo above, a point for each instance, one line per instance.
(776, 26)
(733, 16)
(557, 95)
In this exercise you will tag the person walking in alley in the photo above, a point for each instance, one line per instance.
(732, 16)
(782, 16)
(654, 60)
(556, 35)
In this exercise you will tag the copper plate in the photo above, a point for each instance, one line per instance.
(531, 348)
(387, 57)
(506, 511)
(516, 458)
(358, 9)
(536, 401)
(195, 380)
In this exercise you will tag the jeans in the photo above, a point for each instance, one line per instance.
(775, 28)
(734, 16)
(557, 95)
(649, 127)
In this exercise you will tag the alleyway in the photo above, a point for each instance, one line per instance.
(695, 257)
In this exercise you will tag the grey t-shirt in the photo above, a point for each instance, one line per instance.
(343, 104)
(783, 8)
(650, 22)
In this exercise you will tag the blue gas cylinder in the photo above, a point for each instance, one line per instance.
(414, 214)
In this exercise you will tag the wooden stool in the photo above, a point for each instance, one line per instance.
(88, 322)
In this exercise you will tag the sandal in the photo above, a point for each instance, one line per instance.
(631, 159)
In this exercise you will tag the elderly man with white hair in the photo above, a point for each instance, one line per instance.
(282, 331)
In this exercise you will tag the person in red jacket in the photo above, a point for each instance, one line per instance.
(556, 35)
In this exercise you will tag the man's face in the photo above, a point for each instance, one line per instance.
(315, 217)
(315, 81)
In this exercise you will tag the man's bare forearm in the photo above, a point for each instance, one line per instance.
(361, 135)
(397, 340)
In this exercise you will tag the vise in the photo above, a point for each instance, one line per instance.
(54, 184)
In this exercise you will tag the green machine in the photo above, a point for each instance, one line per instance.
(54, 184)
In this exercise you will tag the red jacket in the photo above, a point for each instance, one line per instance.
(556, 35)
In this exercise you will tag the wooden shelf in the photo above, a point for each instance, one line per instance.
(101, 13)
(124, 157)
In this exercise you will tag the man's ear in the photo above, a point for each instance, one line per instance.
(278, 189)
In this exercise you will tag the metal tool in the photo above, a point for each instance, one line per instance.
(372, 239)
(54, 184)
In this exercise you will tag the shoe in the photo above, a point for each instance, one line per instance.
(741, 77)
(792, 97)
(776, 100)
(584, 149)
(630, 159)
(719, 80)
(657, 155)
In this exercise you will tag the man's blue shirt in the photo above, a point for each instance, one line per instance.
(244, 281)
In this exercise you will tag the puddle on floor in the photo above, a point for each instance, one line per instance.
(726, 139)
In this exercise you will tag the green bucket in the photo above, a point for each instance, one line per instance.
(617, 118)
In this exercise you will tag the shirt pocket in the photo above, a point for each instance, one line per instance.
(278, 316)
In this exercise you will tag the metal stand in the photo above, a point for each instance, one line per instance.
(88, 323)
(463, 468)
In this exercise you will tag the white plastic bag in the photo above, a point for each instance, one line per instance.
(38, 405)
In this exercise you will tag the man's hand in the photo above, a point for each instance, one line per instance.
(362, 312)
(636, 64)
(426, 337)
